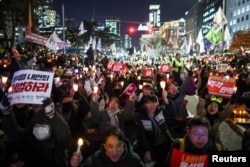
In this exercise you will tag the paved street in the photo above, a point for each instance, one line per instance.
(230, 139)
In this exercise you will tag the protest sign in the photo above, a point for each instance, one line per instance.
(165, 68)
(222, 86)
(131, 88)
(30, 86)
(222, 68)
(118, 67)
(147, 72)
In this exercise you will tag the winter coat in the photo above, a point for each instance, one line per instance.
(217, 119)
(52, 151)
(128, 159)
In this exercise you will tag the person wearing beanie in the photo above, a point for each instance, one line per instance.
(46, 139)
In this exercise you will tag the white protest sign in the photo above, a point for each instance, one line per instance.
(222, 68)
(30, 86)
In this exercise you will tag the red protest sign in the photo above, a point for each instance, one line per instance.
(118, 67)
(223, 86)
(110, 64)
(165, 68)
(147, 72)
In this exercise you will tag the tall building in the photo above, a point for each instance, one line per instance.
(114, 25)
(209, 9)
(154, 15)
(237, 13)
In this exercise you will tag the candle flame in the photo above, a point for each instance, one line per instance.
(80, 141)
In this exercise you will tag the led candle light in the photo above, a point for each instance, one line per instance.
(167, 75)
(140, 86)
(56, 80)
(95, 89)
(122, 83)
(10, 89)
(75, 87)
(4, 80)
(163, 84)
(80, 143)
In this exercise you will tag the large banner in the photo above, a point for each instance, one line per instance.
(222, 86)
(35, 38)
(30, 86)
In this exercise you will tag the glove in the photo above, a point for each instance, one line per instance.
(49, 107)
(5, 105)
(233, 99)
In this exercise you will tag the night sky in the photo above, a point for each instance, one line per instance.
(130, 12)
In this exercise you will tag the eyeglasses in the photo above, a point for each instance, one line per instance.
(199, 135)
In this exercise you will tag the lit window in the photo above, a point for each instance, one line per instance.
(238, 12)
(243, 10)
(247, 8)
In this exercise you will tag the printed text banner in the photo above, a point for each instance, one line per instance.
(30, 86)
(221, 86)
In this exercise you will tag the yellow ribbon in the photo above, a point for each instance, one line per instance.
(216, 99)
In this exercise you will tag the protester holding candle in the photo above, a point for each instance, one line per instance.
(139, 99)
(115, 151)
(112, 115)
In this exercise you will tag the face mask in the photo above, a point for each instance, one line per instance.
(41, 132)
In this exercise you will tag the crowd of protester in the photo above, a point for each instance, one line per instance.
(151, 126)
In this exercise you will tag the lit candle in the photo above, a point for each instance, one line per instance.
(80, 143)
(235, 89)
(163, 84)
(56, 80)
(139, 77)
(167, 75)
(122, 83)
(10, 89)
(75, 87)
(4, 79)
(140, 86)
(95, 89)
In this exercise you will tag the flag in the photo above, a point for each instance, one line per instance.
(94, 43)
(99, 44)
(227, 38)
(190, 43)
(82, 30)
(220, 20)
(213, 36)
(113, 47)
(29, 21)
(200, 41)
(51, 42)
(55, 43)
(184, 46)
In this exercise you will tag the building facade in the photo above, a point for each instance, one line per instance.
(238, 13)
